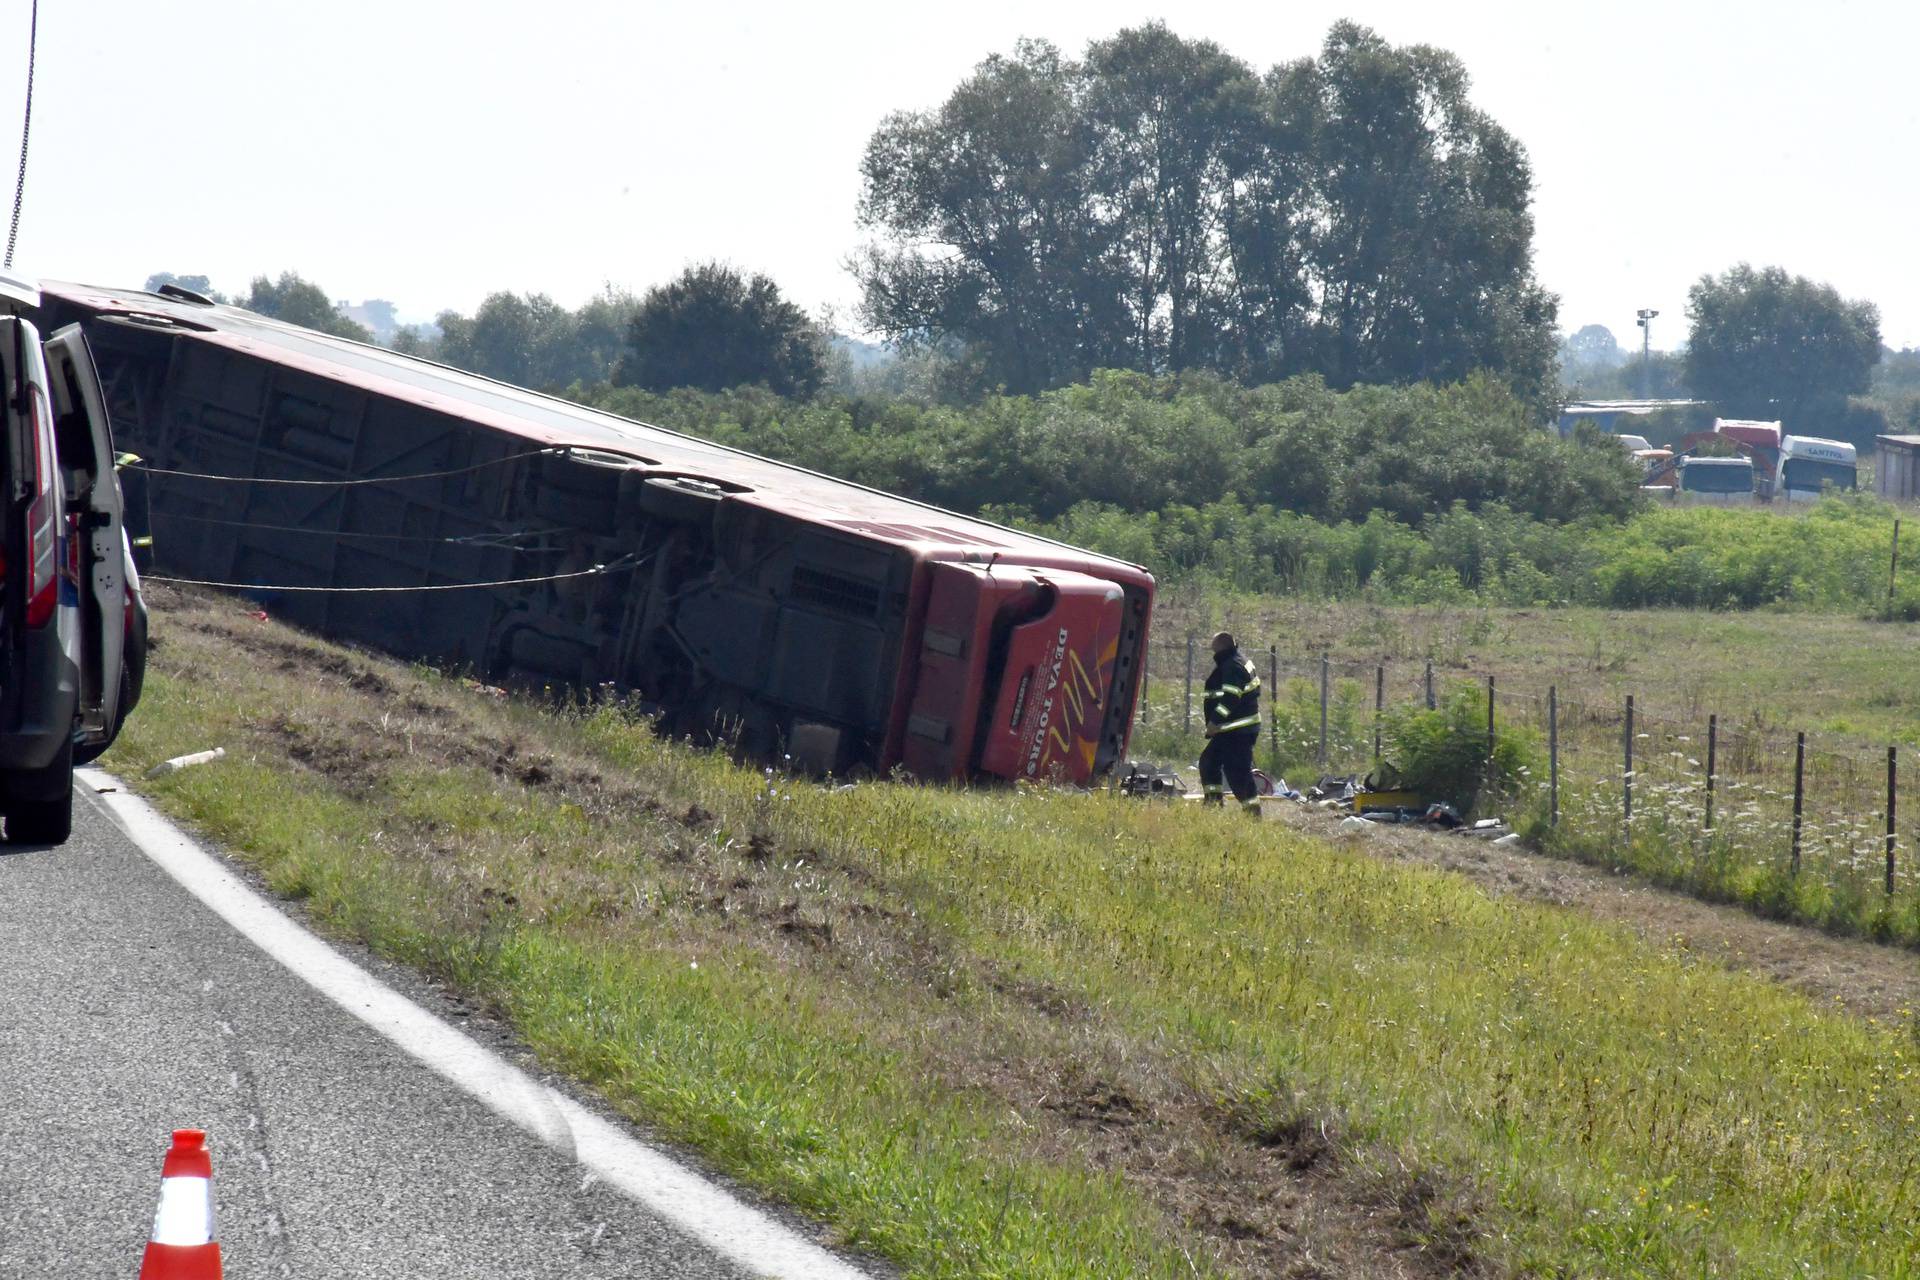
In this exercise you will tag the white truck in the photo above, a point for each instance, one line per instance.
(1808, 464)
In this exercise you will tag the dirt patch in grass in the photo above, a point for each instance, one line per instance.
(1866, 977)
(1286, 1201)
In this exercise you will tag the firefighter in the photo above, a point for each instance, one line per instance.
(1232, 714)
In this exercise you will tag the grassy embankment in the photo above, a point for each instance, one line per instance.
(1032, 1034)
(1845, 681)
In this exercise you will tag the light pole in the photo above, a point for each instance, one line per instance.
(1646, 315)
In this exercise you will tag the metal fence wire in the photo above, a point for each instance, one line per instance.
(1727, 803)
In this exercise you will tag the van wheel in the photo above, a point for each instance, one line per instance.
(44, 821)
(40, 821)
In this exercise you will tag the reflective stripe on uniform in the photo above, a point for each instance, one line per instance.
(1244, 722)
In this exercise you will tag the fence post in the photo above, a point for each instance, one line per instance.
(1326, 669)
(1626, 777)
(1553, 755)
(1893, 802)
(1713, 743)
(1799, 792)
(1489, 722)
(1187, 726)
(1379, 705)
(1893, 565)
(1429, 684)
(1273, 701)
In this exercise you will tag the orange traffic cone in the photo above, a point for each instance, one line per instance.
(182, 1246)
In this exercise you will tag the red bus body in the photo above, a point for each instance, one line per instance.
(850, 629)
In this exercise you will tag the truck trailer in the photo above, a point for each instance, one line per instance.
(386, 500)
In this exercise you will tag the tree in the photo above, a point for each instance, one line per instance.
(301, 302)
(410, 340)
(526, 339)
(1424, 258)
(989, 238)
(600, 333)
(1170, 123)
(1764, 344)
(714, 328)
(1589, 350)
(1159, 207)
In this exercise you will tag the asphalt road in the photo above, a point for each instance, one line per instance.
(129, 1009)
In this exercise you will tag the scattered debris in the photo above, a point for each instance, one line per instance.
(1380, 798)
(181, 762)
(1411, 804)
(1334, 787)
(1151, 780)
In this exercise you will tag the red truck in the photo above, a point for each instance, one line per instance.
(435, 514)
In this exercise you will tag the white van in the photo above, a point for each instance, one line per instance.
(72, 623)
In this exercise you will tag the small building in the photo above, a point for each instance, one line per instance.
(1896, 472)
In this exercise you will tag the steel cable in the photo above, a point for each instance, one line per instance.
(421, 475)
(26, 132)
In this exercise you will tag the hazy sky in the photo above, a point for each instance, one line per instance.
(431, 152)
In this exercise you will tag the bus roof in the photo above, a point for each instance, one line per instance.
(551, 422)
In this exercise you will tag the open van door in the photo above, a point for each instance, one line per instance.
(39, 642)
(98, 567)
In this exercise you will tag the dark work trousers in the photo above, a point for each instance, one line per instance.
(1229, 756)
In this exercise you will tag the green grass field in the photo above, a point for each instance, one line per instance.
(1024, 1033)
(1846, 683)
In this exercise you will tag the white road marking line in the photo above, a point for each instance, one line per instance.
(731, 1228)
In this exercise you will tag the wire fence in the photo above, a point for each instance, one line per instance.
(1731, 808)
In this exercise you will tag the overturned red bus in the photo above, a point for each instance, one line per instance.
(437, 514)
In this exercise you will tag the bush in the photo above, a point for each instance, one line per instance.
(1442, 754)
(1138, 444)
